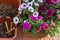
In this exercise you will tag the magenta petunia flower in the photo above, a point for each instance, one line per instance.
(44, 26)
(55, 1)
(35, 18)
(50, 13)
(26, 26)
(48, 2)
(41, 8)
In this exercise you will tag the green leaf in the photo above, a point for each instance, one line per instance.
(43, 13)
(48, 21)
(25, 31)
(45, 32)
(53, 6)
(25, 11)
(53, 31)
(30, 0)
(38, 23)
(20, 20)
(58, 12)
(35, 0)
(33, 32)
(31, 22)
(57, 23)
(58, 4)
(51, 34)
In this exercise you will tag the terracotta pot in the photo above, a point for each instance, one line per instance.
(10, 2)
(14, 3)
(12, 37)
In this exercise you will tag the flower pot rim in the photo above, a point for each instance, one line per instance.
(12, 37)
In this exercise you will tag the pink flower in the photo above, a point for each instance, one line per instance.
(41, 8)
(38, 30)
(44, 26)
(55, 1)
(48, 2)
(50, 13)
(26, 25)
(52, 23)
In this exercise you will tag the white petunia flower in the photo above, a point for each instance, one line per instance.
(25, 0)
(36, 4)
(15, 20)
(29, 4)
(35, 14)
(23, 6)
(19, 10)
(41, 1)
(25, 21)
(31, 9)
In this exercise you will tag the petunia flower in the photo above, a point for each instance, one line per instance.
(15, 20)
(58, 17)
(35, 14)
(38, 30)
(31, 9)
(48, 2)
(26, 25)
(23, 6)
(41, 1)
(35, 18)
(50, 12)
(44, 26)
(55, 1)
(19, 10)
(52, 23)
(29, 4)
(41, 8)
(36, 4)
(25, 0)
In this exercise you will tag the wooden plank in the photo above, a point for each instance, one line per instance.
(54, 38)
(59, 33)
(45, 38)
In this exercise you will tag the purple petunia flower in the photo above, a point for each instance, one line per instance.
(26, 25)
(55, 1)
(50, 13)
(35, 18)
(41, 8)
(48, 2)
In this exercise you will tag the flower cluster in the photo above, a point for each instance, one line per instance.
(39, 15)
